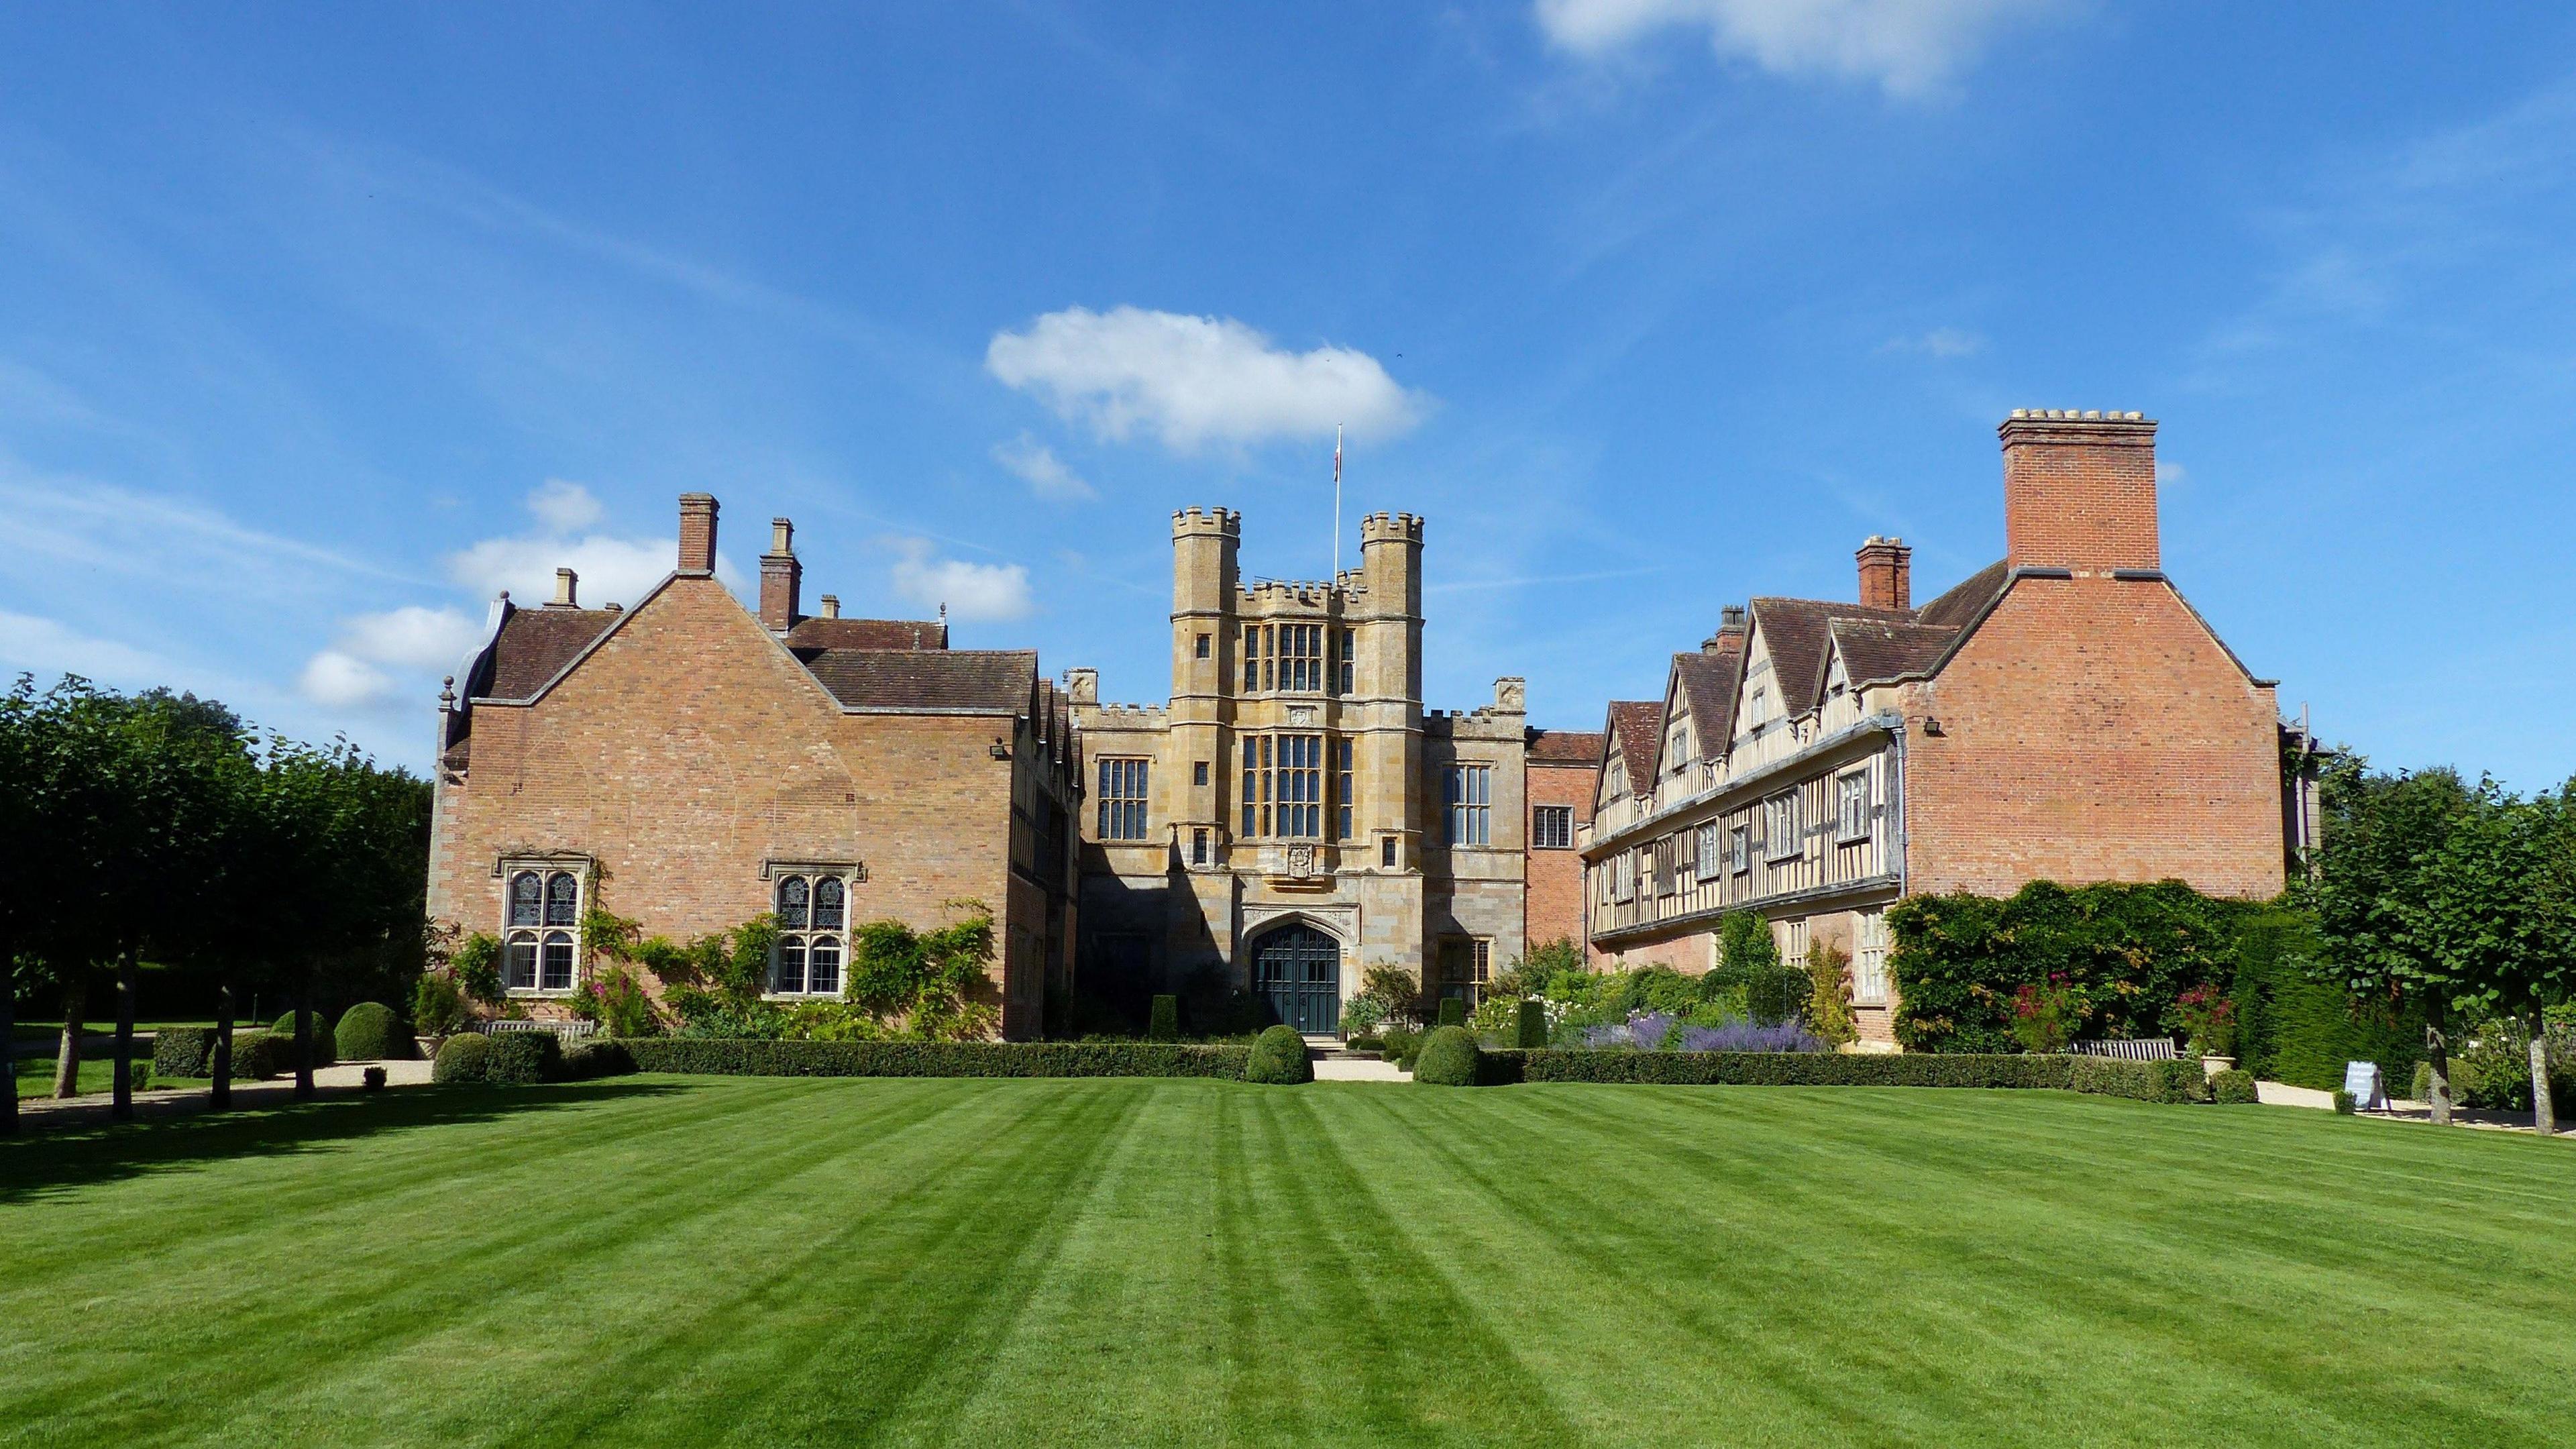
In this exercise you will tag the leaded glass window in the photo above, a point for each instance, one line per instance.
(813, 934)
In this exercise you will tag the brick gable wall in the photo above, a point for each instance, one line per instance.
(2093, 729)
(689, 748)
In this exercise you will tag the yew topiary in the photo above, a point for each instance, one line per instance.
(283, 1033)
(370, 1032)
(1279, 1058)
(1164, 1023)
(1450, 1058)
(462, 1058)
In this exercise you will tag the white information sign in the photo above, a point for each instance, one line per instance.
(2362, 1080)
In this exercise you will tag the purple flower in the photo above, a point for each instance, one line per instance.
(1745, 1036)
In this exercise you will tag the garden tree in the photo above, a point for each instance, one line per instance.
(2370, 893)
(22, 825)
(2497, 911)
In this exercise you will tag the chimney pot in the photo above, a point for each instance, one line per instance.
(2080, 490)
(1886, 573)
(567, 586)
(781, 576)
(831, 606)
(697, 533)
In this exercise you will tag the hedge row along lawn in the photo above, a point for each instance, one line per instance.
(690, 1261)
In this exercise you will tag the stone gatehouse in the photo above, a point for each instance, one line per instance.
(1293, 815)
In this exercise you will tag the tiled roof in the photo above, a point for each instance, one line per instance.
(1794, 630)
(1969, 597)
(816, 633)
(996, 680)
(1708, 684)
(1875, 650)
(1565, 747)
(536, 644)
(1634, 724)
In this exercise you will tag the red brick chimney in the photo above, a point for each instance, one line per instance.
(1886, 573)
(697, 533)
(2080, 490)
(780, 577)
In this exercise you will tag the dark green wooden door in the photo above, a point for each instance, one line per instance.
(1298, 971)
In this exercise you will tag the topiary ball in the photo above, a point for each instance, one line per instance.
(256, 1054)
(1450, 1058)
(2234, 1088)
(284, 1034)
(370, 1032)
(462, 1058)
(1279, 1059)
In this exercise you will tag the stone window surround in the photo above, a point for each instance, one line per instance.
(851, 874)
(545, 865)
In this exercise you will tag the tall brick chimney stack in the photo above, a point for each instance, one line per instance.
(2080, 490)
(780, 578)
(1886, 573)
(697, 533)
(1731, 632)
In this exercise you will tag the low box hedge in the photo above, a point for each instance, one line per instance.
(256, 1055)
(183, 1051)
(730, 1058)
(519, 1058)
(2146, 1081)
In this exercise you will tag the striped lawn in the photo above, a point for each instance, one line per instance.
(710, 1261)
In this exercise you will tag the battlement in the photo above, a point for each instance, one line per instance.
(1390, 528)
(1126, 716)
(1267, 594)
(1224, 522)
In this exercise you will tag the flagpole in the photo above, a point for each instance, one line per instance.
(1337, 505)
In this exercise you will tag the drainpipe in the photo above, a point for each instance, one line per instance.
(1904, 802)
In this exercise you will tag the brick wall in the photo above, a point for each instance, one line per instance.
(2093, 729)
(1554, 903)
(689, 747)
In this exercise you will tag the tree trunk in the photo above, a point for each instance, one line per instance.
(222, 1067)
(8, 1039)
(2437, 1055)
(75, 1019)
(2544, 1112)
(304, 1039)
(121, 1106)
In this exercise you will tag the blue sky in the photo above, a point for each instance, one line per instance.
(319, 323)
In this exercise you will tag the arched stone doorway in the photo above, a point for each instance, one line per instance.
(1298, 972)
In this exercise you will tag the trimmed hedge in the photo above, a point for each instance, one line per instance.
(1531, 1024)
(368, 1032)
(2144, 1081)
(256, 1055)
(183, 1051)
(462, 1058)
(1450, 1058)
(520, 1058)
(733, 1058)
(2234, 1088)
(1163, 1023)
(1278, 1058)
(587, 1059)
(324, 1054)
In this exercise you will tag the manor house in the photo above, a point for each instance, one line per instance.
(2061, 714)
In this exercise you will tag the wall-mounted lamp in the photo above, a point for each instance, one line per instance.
(998, 750)
(1932, 727)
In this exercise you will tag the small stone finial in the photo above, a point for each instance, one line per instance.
(447, 695)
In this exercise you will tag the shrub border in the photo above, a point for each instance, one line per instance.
(2179, 1080)
(703, 1056)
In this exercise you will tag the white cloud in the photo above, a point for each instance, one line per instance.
(413, 637)
(1908, 47)
(32, 644)
(341, 681)
(969, 590)
(1191, 381)
(564, 507)
(611, 569)
(1941, 342)
(413, 640)
(1037, 465)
